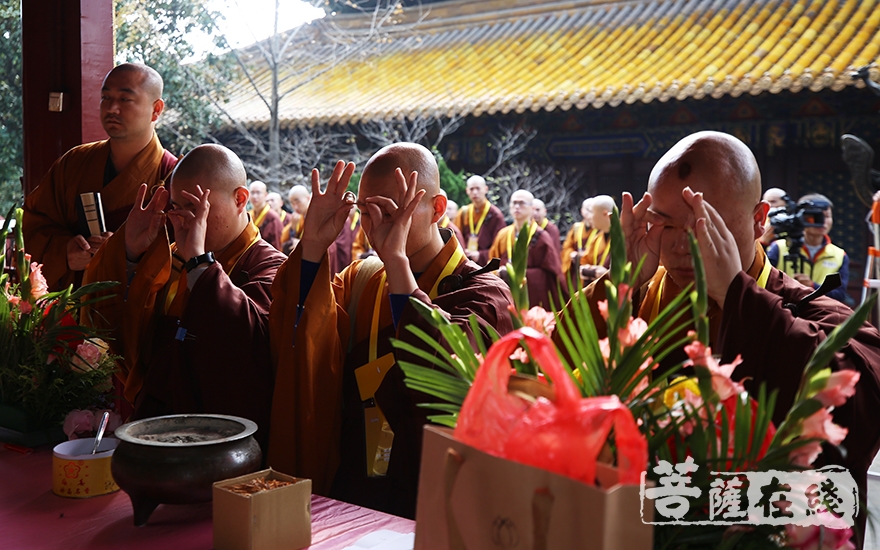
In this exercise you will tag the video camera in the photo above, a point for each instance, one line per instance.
(789, 221)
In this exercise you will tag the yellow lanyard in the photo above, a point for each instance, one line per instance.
(532, 228)
(476, 231)
(544, 223)
(258, 219)
(354, 220)
(761, 281)
(453, 262)
(580, 237)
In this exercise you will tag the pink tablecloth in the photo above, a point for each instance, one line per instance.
(32, 517)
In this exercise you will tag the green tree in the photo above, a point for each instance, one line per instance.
(11, 135)
(454, 184)
(158, 33)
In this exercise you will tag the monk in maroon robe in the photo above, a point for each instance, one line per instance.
(709, 182)
(479, 221)
(266, 220)
(539, 214)
(192, 318)
(543, 270)
(55, 229)
(337, 373)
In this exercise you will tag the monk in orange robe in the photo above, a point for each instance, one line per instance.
(479, 221)
(543, 274)
(709, 182)
(342, 415)
(191, 319)
(266, 220)
(55, 231)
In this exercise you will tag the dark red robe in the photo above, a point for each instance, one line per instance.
(271, 228)
(493, 223)
(543, 270)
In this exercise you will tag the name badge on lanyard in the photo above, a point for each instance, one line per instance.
(379, 436)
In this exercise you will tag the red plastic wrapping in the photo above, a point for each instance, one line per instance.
(563, 436)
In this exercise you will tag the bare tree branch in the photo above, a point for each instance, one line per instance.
(509, 142)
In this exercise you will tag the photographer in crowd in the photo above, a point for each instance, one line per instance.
(807, 254)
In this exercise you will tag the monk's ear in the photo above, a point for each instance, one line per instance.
(241, 196)
(759, 218)
(158, 107)
(438, 202)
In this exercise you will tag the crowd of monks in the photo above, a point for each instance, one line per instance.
(228, 303)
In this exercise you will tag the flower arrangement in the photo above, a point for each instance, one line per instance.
(50, 364)
(704, 420)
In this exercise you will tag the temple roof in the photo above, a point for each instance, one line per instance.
(469, 58)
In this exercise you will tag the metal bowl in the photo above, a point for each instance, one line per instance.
(176, 459)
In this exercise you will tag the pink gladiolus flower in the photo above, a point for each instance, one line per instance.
(78, 421)
(25, 307)
(520, 355)
(817, 537)
(805, 455)
(539, 319)
(820, 425)
(603, 309)
(721, 382)
(630, 335)
(841, 385)
(39, 287)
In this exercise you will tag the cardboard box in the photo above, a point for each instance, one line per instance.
(471, 500)
(269, 520)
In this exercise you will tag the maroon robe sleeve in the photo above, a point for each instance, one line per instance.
(543, 270)
(553, 230)
(775, 346)
(271, 229)
(228, 358)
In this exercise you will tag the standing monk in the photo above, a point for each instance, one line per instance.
(56, 236)
(479, 221)
(276, 203)
(299, 198)
(539, 214)
(266, 220)
(709, 182)
(341, 413)
(543, 273)
(192, 321)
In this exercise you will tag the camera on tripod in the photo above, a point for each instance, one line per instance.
(789, 221)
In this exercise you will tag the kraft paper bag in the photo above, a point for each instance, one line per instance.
(470, 500)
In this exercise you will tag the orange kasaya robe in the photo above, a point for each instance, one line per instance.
(50, 211)
(543, 274)
(204, 350)
(317, 412)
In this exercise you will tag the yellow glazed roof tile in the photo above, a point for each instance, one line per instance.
(575, 53)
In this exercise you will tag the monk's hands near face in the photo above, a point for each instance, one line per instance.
(390, 222)
(328, 212)
(191, 225)
(389, 230)
(144, 223)
(640, 239)
(717, 246)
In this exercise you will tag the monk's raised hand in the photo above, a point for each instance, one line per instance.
(144, 222)
(191, 223)
(328, 211)
(642, 233)
(390, 222)
(720, 253)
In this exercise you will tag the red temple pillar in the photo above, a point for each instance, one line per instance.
(67, 48)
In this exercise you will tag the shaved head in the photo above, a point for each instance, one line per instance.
(774, 197)
(299, 197)
(409, 157)
(722, 168)
(218, 169)
(216, 166)
(719, 164)
(150, 80)
(379, 179)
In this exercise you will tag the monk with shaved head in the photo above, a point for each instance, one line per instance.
(341, 414)
(709, 183)
(191, 320)
(265, 218)
(56, 223)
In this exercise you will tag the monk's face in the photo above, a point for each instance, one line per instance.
(744, 220)
(226, 207)
(127, 109)
(539, 212)
(258, 194)
(274, 200)
(520, 207)
(300, 202)
(477, 191)
(377, 183)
